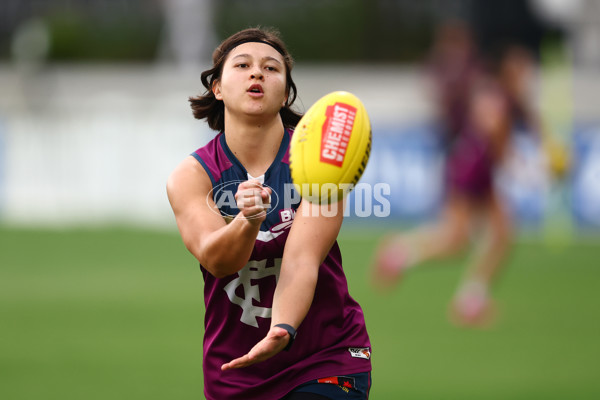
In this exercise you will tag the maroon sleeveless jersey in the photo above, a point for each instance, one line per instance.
(332, 340)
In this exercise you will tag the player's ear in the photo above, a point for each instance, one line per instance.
(216, 89)
(285, 99)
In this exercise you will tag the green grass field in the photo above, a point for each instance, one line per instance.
(117, 314)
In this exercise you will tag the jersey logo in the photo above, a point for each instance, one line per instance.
(360, 352)
(253, 271)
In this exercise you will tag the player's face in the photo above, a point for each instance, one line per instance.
(253, 81)
(488, 112)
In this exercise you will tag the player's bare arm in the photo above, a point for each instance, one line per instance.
(221, 248)
(311, 236)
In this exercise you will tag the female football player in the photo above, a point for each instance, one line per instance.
(279, 322)
(478, 117)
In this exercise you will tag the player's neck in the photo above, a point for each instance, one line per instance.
(256, 144)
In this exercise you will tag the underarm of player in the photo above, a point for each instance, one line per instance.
(308, 243)
(294, 293)
(226, 250)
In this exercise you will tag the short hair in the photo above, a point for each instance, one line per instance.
(207, 106)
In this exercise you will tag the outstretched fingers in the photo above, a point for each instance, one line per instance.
(273, 343)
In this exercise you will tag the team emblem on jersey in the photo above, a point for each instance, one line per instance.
(360, 352)
(256, 270)
(253, 271)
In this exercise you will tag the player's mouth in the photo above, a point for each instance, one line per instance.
(255, 90)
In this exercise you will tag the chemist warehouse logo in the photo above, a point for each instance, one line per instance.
(336, 133)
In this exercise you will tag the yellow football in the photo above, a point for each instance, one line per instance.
(330, 148)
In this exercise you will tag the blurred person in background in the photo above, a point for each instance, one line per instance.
(452, 65)
(480, 103)
(516, 69)
(266, 274)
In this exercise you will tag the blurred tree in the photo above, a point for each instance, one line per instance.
(497, 23)
(98, 30)
(326, 30)
(343, 30)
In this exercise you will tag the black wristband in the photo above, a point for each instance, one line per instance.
(290, 329)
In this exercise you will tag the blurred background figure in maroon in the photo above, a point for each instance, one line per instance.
(481, 100)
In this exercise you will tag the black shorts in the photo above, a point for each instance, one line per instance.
(345, 387)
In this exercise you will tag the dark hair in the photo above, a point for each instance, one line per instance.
(207, 106)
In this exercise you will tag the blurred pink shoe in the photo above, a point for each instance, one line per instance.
(391, 261)
(472, 308)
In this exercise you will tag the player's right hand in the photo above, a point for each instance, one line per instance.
(252, 200)
(275, 341)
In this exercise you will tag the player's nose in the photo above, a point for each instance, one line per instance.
(256, 74)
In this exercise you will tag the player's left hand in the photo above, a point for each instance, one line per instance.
(273, 343)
